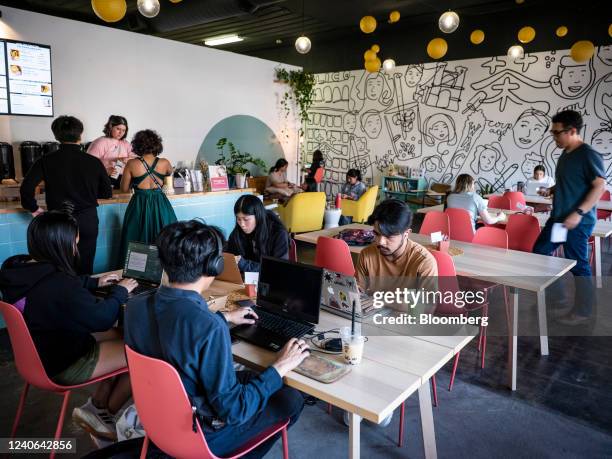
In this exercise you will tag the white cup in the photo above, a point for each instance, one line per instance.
(352, 346)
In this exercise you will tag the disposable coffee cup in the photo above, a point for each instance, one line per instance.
(352, 346)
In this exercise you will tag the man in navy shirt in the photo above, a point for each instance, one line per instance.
(176, 325)
(580, 182)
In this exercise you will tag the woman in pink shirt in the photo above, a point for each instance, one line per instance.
(112, 149)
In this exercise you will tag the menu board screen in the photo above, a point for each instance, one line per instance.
(3, 88)
(27, 79)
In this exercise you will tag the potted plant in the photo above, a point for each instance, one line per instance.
(302, 90)
(235, 162)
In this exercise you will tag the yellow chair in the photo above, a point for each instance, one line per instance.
(304, 212)
(361, 209)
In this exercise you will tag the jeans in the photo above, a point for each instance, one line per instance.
(575, 248)
(286, 403)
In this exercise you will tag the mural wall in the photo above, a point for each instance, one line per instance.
(487, 117)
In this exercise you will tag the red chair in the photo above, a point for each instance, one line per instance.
(461, 226)
(523, 231)
(498, 202)
(292, 250)
(516, 198)
(435, 221)
(604, 214)
(318, 177)
(31, 369)
(165, 412)
(493, 237)
(335, 255)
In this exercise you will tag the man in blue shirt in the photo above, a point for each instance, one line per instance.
(176, 325)
(580, 182)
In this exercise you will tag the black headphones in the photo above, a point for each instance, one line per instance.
(213, 266)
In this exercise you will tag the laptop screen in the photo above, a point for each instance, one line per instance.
(142, 263)
(289, 289)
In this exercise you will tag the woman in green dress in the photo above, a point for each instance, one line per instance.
(149, 209)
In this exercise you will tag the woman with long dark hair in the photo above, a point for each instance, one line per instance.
(310, 183)
(70, 327)
(354, 188)
(277, 182)
(258, 232)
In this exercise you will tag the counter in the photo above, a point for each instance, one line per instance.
(215, 208)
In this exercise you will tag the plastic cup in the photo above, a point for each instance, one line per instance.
(352, 346)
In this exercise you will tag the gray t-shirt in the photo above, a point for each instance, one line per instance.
(470, 201)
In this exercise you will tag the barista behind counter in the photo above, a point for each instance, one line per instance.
(112, 148)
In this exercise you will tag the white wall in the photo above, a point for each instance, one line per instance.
(179, 90)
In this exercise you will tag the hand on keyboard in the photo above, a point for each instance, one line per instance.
(128, 284)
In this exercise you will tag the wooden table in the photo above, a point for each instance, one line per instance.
(537, 199)
(602, 230)
(517, 270)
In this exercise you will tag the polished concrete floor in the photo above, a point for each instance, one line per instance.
(562, 408)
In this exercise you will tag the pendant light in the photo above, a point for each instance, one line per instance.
(448, 22)
(303, 44)
(148, 8)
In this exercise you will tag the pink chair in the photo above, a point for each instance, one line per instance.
(460, 225)
(318, 177)
(493, 237)
(31, 368)
(165, 412)
(435, 221)
(292, 250)
(604, 214)
(523, 231)
(515, 197)
(335, 255)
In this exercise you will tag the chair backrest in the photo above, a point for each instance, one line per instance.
(604, 214)
(447, 282)
(515, 197)
(318, 176)
(335, 255)
(164, 408)
(304, 212)
(292, 250)
(460, 225)
(259, 183)
(441, 187)
(435, 221)
(499, 202)
(523, 231)
(493, 237)
(27, 360)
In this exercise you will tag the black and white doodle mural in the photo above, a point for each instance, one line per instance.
(487, 117)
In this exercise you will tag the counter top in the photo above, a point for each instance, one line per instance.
(118, 198)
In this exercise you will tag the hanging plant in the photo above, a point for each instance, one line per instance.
(302, 90)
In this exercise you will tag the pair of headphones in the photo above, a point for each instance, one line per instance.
(214, 264)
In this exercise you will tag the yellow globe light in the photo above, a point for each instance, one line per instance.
(477, 37)
(175, 1)
(519, 2)
(437, 48)
(582, 51)
(109, 10)
(369, 55)
(394, 16)
(367, 24)
(526, 34)
(373, 66)
(375, 48)
(610, 30)
(561, 31)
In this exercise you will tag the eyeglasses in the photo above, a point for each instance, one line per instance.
(557, 133)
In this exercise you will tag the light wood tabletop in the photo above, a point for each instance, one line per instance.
(537, 199)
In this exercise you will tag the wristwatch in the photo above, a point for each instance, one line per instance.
(580, 212)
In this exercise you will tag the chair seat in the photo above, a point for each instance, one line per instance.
(261, 437)
(476, 285)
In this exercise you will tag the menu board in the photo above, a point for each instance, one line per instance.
(25, 79)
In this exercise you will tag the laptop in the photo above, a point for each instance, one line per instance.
(230, 273)
(142, 264)
(288, 303)
(340, 291)
(531, 189)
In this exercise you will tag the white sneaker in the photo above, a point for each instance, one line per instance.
(98, 422)
(384, 423)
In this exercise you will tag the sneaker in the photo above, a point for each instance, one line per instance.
(96, 421)
(573, 319)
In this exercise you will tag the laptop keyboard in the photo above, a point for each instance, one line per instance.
(281, 326)
(142, 288)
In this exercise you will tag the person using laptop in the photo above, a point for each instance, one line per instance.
(71, 328)
(539, 180)
(258, 232)
(464, 196)
(177, 326)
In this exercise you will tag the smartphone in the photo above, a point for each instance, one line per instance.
(245, 303)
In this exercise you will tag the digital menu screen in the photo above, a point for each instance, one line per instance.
(25, 85)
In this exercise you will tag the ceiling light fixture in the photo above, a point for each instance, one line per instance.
(148, 8)
(448, 22)
(515, 52)
(216, 41)
(303, 44)
(388, 65)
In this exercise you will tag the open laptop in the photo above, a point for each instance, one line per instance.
(231, 272)
(142, 264)
(340, 291)
(288, 303)
(532, 188)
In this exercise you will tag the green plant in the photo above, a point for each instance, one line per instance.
(302, 90)
(486, 189)
(235, 162)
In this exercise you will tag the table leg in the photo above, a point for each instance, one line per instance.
(427, 423)
(542, 323)
(598, 278)
(354, 435)
(513, 338)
